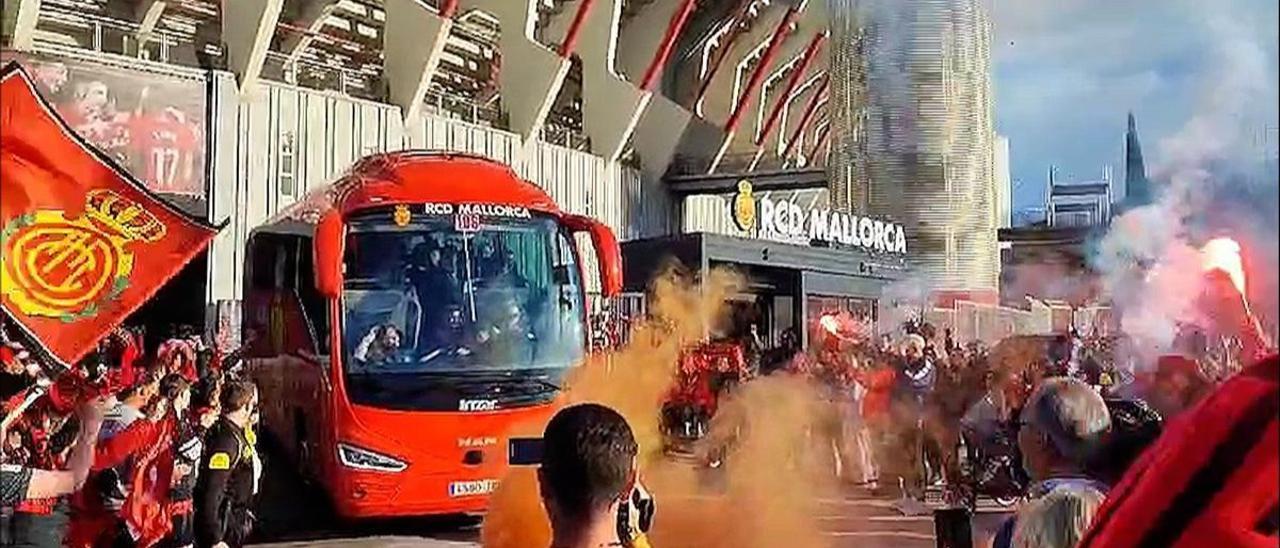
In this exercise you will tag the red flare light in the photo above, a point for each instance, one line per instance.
(1224, 254)
(830, 324)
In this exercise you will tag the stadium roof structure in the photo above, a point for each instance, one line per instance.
(722, 85)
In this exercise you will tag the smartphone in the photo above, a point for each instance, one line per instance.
(524, 451)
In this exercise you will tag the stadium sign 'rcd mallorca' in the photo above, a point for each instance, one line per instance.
(787, 222)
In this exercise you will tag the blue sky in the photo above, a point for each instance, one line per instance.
(1066, 72)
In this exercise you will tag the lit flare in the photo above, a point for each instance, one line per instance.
(830, 324)
(1224, 254)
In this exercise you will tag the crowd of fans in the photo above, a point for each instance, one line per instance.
(141, 447)
(146, 458)
(1050, 421)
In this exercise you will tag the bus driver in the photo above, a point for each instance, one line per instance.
(380, 345)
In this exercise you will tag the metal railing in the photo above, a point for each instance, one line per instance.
(555, 134)
(745, 162)
(105, 34)
(109, 35)
(463, 108)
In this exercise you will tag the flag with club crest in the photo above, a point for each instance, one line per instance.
(82, 242)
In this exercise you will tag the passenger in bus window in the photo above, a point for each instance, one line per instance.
(505, 336)
(380, 345)
(505, 275)
(486, 260)
(436, 285)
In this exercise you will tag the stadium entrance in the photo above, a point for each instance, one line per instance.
(788, 286)
(178, 308)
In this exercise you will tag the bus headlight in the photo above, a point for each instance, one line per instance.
(364, 459)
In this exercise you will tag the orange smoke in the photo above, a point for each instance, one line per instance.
(765, 497)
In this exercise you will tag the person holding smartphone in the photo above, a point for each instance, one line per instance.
(587, 479)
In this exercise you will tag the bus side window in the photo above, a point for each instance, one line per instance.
(312, 302)
(564, 260)
(262, 262)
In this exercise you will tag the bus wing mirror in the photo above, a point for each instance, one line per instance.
(608, 253)
(328, 246)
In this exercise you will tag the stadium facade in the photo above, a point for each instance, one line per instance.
(646, 114)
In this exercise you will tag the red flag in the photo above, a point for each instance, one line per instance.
(83, 243)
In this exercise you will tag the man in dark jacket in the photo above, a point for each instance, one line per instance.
(916, 373)
(225, 485)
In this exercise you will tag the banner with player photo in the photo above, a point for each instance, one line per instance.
(153, 125)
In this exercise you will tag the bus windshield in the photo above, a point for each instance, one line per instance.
(460, 296)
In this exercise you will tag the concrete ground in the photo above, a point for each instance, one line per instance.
(290, 517)
(854, 520)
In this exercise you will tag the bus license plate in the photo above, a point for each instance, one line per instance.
(472, 488)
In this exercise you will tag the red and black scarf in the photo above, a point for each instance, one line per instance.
(1210, 480)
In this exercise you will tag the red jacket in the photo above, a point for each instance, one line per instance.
(879, 385)
(146, 510)
(129, 370)
(1209, 480)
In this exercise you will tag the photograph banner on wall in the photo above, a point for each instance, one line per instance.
(153, 125)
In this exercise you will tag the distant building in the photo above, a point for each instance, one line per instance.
(1137, 188)
(1047, 263)
(1004, 185)
(1079, 204)
(1028, 216)
(1046, 258)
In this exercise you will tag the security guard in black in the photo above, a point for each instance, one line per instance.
(224, 488)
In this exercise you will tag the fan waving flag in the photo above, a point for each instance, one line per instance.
(82, 243)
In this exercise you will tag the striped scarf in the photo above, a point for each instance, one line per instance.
(1210, 480)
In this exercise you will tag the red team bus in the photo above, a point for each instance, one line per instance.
(402, 320)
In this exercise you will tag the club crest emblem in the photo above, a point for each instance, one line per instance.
(66, 268)
(402, 216)
(744, 207)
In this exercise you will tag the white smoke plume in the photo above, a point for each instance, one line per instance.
(902, 301)
(1149, 259)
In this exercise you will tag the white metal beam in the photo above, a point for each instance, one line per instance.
(793, 109)
(657, 135)
(718, 102)
(20, 23)
(247, 28)
(309, 24)
(611, 106)
(149, 12)
(640, 38)
(531, 75)
(812, 21)
(413, 39)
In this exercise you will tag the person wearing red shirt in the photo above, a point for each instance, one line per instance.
(147, 446)
(879, 381)
(165, 146)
